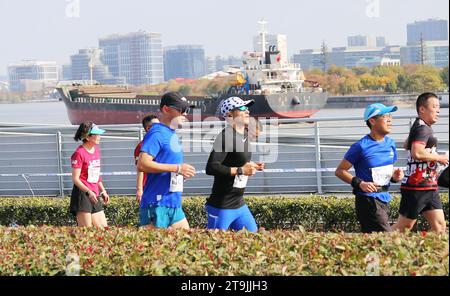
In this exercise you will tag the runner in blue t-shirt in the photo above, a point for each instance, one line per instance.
(373, 157)
(162, 159)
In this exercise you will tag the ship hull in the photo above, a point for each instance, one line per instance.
(286, 105)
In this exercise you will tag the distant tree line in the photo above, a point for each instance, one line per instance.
(381, 79)
(337, 81)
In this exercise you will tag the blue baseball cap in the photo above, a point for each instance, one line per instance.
(377, 109)
(95, 130)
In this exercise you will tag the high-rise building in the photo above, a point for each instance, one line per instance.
(428, 30)
(210, 65)
(137, 57)
(87, 59)
(66, 72)
(366, 41)
(381, 41)
(32, 75)
(277, 40)
(184, 61)
(361, 41)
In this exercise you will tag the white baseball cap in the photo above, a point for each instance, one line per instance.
(232, 103)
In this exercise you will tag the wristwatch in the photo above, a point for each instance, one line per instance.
(240, 171)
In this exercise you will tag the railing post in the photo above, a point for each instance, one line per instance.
(317, 152)
(60, 169)
(141, 134)
(411, 122)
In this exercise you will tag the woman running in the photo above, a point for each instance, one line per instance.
(88, 193)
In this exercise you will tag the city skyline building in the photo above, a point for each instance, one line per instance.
(434, 53)
(136, 58)
(426, 30)
(89, 62)
(220, 63)
(184, 61)
(366, 41)
(349, 57)
(32, 75)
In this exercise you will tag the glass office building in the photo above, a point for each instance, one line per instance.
(136, 58)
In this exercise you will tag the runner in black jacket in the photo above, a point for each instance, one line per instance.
(230, 164)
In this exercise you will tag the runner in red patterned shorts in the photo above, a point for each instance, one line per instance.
(141, 179)
(420, 186)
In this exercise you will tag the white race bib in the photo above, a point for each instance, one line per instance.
(240, 181)
(382, 175)
(176, 182)
(93, 174)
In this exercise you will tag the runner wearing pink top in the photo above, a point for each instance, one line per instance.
(88, 194)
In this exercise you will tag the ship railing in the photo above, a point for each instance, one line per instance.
(127, 101)
(109, 100)
(274, 67)
(35, 159)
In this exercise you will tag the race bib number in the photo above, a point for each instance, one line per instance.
(240, 181)
(93, 174)
(176, 182)
(382, 175)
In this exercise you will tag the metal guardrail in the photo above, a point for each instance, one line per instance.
(35, 160)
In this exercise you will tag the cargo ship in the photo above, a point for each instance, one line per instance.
(278, 88)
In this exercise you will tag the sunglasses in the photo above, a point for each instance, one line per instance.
(182, 111)
(385, 117)
(242, 108)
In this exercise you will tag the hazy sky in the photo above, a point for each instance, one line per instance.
(55, 29)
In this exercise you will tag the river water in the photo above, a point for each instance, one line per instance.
(56, 113)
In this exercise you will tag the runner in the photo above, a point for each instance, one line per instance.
(141, 178)
(88, 191)
(373, 157)
(230, 164)
(162, 159)
(419, 187)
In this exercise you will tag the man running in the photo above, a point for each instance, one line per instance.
(230, 164)
(373, 157)
(420, 187)
(141, 178)
(162, 159)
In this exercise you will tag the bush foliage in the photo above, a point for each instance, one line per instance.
(313, 213)
(129, 251)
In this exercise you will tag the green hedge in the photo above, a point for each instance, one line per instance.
(130, 251)
(314, 213)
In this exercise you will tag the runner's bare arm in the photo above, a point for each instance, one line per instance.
(146, 164)
(76, 180)
(342, 172)
(139, 185)
(103, 192)
(419, 152)
(397, 175)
